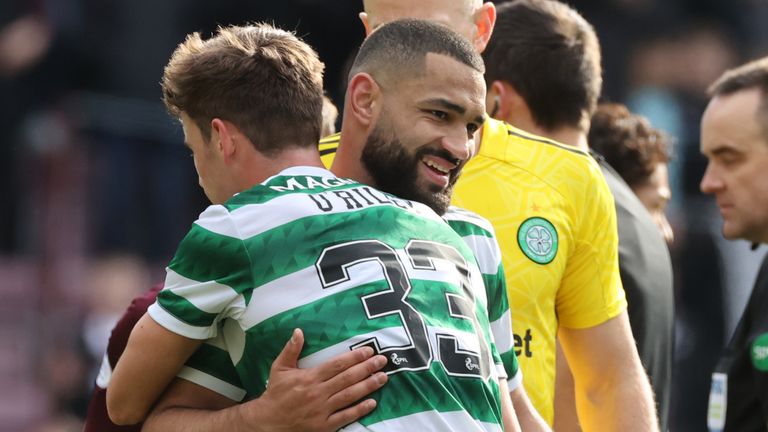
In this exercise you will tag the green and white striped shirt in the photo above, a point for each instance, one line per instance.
(477, 232)
(351, 266)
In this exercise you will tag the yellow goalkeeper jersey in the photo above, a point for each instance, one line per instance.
(555, 221)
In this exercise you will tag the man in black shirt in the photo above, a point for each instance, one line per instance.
(734, 138)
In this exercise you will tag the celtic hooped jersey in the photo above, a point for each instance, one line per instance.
(351, 266)
(479, 235)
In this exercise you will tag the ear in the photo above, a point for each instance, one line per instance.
(366, 23)
(485, 19)
(224, 137)
(497, 100)
(513, 108)
(364, 93)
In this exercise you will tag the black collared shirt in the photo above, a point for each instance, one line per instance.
(742, 372)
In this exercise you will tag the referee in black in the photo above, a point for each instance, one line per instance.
(734, 138)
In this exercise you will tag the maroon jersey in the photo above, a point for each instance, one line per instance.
(97, 419)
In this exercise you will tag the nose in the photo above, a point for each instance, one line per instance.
(460, 145)
(710, 182)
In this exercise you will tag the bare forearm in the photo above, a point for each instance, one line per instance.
(624, 403)
(566, 418)
(180, 419)
(188, 407)
(530, 419)
(612, 390)
(319, 399)
(508, 415)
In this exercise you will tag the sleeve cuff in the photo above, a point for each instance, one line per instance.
(515, 381)
(212, 383)
(173, 324)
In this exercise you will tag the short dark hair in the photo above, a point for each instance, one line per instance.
(628, 142)
(265, 80)
(551, 56)
(750, 75)
(402, 46)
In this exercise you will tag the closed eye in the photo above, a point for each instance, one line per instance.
(728, 157)
(726, 154)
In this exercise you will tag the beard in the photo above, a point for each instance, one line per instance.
(395, 171)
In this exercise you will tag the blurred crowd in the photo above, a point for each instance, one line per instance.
(97, 194)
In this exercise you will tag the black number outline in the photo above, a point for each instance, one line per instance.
(457, 361)
(333, 266)
(412, 356)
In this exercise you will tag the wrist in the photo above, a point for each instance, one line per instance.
(252, 416)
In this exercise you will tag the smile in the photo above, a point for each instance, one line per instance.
(437, 167)
(437, 170)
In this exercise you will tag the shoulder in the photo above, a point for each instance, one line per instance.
(466, 222)
(214, 220)
(758, 301)
(505, 141)
(762, 276)
(532, 158)
(477, 232)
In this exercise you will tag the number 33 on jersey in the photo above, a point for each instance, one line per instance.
(299, 251)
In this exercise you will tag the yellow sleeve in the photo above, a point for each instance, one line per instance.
(591, 291)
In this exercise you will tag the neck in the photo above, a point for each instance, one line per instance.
(348, 160)
(568, 135)
(571, 136)
(300, 156)
(262, 167)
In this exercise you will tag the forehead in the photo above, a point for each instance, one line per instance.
(445, 78)
(448, 12)
(732, 121)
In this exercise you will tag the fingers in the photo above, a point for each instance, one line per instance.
(354, 375)
(347, 416)
(289, 356)
(358, 390)
(342, 362)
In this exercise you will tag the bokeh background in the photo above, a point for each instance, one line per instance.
(98, 189)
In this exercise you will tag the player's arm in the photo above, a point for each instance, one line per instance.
(200, 291)
(324, 398)
(151, 360)
(508, 415)
(566, 418)
(97, 418)
(530, 419)
(612, 388)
